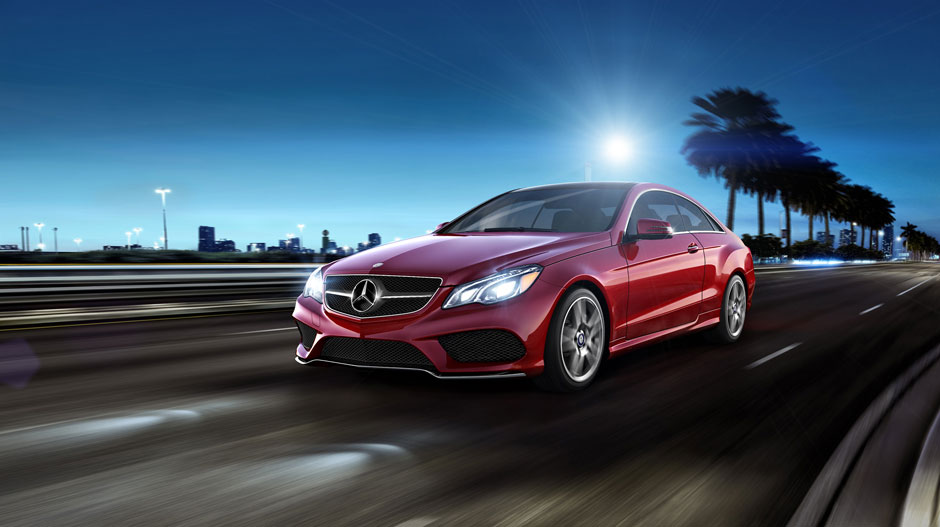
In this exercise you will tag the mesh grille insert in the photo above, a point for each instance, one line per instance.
(366, 352)
(486, 345)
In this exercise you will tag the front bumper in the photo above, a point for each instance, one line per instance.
(526, 317)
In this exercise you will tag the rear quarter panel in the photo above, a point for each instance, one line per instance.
(725, 254)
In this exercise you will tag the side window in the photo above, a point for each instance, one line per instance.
(694, 219)
(653, 205)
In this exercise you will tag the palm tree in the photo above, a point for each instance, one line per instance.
(733, 125)
(793, 174)
(909, 232)
(858, 200)
(834, 199)
(821, 184)
(881, 213)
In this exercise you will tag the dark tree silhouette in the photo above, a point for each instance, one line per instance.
(729, 143)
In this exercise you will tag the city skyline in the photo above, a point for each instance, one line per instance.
(378, 118)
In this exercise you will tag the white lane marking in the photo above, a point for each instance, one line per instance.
(915, 287)
(261, 331)
(417, 522)
(872, 308)
(773, 355)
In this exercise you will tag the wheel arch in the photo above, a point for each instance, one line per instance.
(598, 291)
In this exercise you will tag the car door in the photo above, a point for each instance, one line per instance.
(666, 275)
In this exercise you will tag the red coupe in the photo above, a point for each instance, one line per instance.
(544, 282)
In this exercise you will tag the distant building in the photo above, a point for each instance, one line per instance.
(11, 247)
(362, 247)
(821, 238)
(256, 248)
(375, 240)
(225, 246)
(326, 243)
(847, 237)
(887, 243)
(206, 239)
(290, 244)
(114, 248)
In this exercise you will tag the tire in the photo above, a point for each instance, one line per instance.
(576, 343)
(733, 311)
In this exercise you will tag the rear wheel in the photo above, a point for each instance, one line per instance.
(577, 340)
(733, 310)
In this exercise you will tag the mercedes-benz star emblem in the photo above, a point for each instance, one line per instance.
(364, 295)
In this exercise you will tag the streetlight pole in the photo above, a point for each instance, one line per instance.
(137, 230)
(27, 238)
(163, 192)
(23, 238)
(587, 172)
(39, 226)
(301, 227)
(55, 237)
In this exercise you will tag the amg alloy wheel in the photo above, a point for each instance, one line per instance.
(577, 341)
(733, 310)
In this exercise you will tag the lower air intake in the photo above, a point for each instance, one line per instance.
(486, 345)
(307, 334)
(367, 352)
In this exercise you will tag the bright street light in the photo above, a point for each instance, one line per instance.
(78, 242)
(39, 226)
(163, 192)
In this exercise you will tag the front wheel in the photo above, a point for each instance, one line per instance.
(733, 309)
(577, 340)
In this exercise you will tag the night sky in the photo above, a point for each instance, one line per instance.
(394, 116)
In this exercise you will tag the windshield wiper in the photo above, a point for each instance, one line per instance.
(516, 229)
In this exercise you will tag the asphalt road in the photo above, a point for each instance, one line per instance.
(210, 421)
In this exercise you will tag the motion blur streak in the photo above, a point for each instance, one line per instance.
(209, 420)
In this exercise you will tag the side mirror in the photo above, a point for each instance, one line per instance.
(650, 229)
(441, 226)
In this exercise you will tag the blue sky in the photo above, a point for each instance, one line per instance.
(364, 116)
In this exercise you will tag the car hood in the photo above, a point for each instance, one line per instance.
(459, 258)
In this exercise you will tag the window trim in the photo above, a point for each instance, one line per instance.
(623, 235)
(717, 227)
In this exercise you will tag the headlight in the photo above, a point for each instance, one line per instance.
(314, 287)
(494, 288)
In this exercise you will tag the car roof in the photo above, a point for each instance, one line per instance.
(620, 185)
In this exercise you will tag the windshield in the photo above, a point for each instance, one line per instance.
(560, 209)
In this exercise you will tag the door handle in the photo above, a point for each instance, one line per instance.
(693, 247)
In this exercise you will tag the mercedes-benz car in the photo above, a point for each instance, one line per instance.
(546, 282)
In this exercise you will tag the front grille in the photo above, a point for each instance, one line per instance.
(307, 334)
(485, 345)
(397, 295)
(367, 352)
